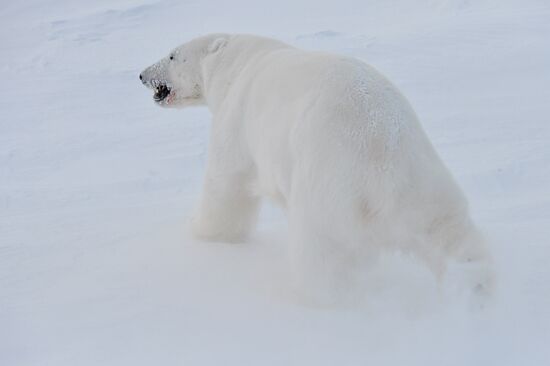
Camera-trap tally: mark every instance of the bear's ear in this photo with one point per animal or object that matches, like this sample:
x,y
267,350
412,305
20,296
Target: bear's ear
x,y
217,45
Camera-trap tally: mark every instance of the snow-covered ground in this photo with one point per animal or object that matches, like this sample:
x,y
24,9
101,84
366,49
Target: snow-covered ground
x,y
96,185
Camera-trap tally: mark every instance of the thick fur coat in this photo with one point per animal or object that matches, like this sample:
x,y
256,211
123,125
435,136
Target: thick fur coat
x,y
331,141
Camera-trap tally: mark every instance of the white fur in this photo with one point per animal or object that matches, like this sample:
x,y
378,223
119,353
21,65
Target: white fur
x,y
331,141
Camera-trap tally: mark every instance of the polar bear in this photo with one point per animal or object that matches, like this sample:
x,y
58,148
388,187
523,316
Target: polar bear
x,y
331,141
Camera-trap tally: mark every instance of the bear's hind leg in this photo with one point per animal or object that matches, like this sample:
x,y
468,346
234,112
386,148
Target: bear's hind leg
x,y
475,262
469,263
320,269
327,259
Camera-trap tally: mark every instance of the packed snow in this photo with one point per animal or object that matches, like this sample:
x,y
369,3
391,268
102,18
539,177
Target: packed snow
x,y
97,185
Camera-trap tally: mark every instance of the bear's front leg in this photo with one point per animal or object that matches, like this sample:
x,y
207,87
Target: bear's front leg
x,y
228,209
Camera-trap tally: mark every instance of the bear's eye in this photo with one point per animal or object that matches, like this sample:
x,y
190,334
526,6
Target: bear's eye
x,y
171,57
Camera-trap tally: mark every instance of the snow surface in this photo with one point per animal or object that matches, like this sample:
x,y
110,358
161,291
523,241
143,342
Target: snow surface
x,y
97,183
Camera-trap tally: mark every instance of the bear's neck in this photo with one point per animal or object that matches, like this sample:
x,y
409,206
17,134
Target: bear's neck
x,y
218,74
221,71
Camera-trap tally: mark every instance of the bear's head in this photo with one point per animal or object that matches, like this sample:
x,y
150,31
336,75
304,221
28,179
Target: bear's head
x,y
177,79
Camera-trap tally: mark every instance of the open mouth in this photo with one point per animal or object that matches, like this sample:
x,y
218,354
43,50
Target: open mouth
x,y
161,92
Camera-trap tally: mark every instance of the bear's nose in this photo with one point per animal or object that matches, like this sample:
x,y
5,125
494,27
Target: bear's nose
x,y
140,77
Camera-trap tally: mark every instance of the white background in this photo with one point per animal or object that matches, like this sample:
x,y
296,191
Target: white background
x,y
97,185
